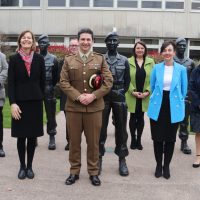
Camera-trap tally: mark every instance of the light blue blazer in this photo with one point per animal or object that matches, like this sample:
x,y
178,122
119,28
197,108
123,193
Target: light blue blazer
x,y
177,93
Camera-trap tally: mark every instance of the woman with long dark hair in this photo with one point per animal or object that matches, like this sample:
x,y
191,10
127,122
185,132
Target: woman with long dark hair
x,y
137,97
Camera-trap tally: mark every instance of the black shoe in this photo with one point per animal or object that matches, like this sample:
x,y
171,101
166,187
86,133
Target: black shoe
x,y
2,153
22,173
158,172
52,144
139,145
67,147
100,165
166,172
95,180
133,144
185,148
123,169
71,179
195,165
29,173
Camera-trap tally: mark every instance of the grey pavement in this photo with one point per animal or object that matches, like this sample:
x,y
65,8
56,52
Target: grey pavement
x,y
52,168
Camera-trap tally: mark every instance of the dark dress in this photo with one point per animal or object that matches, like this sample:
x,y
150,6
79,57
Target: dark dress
x,y
194,93
27,92
139,80
163,129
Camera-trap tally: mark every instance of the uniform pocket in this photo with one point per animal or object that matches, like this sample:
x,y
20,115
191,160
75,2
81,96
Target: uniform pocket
x,y
74,73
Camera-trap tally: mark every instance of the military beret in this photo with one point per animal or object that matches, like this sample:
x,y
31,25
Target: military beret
x,y
111,34
180,39
42,37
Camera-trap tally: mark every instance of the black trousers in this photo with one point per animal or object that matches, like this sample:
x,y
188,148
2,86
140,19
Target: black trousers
x,y
120,115
24,148
136,121
50,108
1,127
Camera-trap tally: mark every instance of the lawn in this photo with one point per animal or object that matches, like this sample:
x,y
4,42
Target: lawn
x,y
7,115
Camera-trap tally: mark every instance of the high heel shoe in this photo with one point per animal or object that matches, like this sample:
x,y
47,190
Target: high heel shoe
x,y
196,165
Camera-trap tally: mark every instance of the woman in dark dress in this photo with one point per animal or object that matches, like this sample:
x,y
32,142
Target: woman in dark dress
x,y
166,107
25,91
194,91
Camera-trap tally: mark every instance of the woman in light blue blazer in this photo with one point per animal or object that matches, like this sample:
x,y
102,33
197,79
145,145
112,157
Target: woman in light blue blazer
x,y
166,106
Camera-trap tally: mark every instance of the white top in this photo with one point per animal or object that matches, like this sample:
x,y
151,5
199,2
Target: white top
x,y
167,77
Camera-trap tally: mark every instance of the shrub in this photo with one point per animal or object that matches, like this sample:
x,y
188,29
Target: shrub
x,y
156,56
59,50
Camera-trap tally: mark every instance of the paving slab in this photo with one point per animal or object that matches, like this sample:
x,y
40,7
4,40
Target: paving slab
x,y
52,168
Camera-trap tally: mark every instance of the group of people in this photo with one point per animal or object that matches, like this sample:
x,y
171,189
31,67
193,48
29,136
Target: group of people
x,y
94,84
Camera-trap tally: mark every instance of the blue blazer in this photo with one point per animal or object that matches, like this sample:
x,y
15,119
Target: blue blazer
x,y
177,93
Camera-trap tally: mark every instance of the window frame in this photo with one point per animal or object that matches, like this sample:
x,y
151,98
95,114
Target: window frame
x,y
194,10
20,6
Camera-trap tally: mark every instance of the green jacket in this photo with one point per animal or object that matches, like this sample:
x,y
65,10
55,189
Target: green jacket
x,y
130,99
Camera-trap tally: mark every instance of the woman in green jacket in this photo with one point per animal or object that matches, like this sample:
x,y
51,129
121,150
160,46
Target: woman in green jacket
x,y
137,97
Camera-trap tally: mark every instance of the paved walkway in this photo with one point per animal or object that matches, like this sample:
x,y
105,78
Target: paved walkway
x,y
52,168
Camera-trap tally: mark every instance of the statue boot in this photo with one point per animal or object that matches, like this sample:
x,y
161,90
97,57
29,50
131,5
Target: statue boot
x,y
52,144
185,148
123,169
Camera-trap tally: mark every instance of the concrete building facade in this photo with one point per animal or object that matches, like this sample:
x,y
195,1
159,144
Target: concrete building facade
x,y
150,20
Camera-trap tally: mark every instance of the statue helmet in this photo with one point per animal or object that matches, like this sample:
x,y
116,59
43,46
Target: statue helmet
x,y
113,33
180,39
42,37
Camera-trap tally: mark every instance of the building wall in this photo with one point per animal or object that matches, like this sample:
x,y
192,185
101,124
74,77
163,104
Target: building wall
x,y
60,23
136,23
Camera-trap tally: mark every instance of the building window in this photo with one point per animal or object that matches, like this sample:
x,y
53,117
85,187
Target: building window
x,y
56,3
31,3
194,54
103,3
127,3
174,5
196,5
151,4
9,3
78,3
55,39
150,41
195,43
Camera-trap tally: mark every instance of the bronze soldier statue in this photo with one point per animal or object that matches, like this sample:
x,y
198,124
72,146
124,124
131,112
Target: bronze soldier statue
x,y
115,100
189,64
51,78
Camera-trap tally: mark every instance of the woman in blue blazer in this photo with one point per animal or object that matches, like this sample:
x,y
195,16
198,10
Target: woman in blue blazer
x,y
166,107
